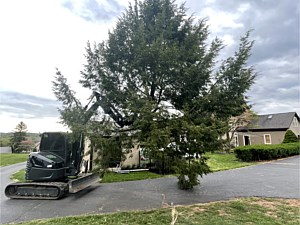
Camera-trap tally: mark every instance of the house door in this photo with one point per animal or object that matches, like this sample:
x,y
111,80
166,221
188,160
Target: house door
x,y
247,140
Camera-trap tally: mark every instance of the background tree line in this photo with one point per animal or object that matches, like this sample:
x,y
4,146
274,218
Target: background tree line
x,y
20,139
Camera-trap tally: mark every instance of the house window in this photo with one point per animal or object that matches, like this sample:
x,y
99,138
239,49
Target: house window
x,y
247,140
267,138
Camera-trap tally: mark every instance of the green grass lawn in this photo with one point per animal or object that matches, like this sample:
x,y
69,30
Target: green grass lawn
x,y
116,177
219,162
108,177
233,212
12,158
18,176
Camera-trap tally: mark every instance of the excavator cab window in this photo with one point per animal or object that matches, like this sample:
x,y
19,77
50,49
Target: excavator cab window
x,y
55,143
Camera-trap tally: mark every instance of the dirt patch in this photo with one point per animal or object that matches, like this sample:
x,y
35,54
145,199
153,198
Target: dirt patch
x,y
198,209
222,212
272,205
293,202
272,214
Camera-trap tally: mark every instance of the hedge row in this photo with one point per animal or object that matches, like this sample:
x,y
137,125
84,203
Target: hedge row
x,y
266,152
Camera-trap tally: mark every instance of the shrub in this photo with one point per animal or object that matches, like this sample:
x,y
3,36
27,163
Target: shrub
x,y
189,172
290,137
266,152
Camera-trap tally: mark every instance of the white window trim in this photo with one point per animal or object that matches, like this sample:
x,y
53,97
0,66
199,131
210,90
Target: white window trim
x,y
266,141
236,140
244,139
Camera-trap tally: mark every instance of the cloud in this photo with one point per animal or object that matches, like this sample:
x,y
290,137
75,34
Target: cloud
x,y
275,54
93,10
35,42
20,105
277,85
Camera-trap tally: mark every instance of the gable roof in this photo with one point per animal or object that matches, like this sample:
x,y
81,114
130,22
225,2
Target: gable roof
x,y
281,121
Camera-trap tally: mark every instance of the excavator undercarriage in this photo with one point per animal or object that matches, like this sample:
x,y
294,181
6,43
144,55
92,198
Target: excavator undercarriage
x,y
50,190
36,190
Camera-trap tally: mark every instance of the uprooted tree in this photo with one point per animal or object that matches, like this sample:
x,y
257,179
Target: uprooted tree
x,y
159,87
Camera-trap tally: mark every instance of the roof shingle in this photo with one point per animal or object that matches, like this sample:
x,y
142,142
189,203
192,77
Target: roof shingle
x,y
272,121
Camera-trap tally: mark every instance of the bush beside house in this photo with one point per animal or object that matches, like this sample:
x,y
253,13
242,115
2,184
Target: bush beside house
x,y
290,137
266,152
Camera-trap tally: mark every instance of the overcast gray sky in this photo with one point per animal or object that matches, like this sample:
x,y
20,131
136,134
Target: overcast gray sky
x,y
38,36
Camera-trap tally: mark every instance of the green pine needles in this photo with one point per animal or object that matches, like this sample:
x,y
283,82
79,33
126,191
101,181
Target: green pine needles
x,y
159,88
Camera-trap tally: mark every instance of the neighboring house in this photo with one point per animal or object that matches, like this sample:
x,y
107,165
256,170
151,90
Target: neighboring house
x,y
268,129
26,146
132,159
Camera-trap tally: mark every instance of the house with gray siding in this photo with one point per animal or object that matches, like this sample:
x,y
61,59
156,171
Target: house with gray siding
x,y
268,129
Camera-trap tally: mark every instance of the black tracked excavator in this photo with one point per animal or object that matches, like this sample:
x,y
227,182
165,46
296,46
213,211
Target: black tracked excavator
x,y
60,166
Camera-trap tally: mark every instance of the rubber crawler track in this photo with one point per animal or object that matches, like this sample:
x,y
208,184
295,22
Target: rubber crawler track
x,y
36,190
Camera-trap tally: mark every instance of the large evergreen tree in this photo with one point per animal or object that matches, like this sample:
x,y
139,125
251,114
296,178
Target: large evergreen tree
x,y
158,58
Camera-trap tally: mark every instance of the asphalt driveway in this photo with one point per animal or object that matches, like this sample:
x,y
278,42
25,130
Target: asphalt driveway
x,y
278,178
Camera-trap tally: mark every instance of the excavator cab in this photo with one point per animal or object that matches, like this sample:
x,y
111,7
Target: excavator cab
x,y
57,159
45,166
49,164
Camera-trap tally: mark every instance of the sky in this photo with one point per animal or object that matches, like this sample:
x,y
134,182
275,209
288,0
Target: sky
x,y
39,36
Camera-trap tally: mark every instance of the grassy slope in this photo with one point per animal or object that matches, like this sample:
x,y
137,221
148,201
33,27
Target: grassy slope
x,y
235,212
18,176
219,162
9,159
114,177
108,178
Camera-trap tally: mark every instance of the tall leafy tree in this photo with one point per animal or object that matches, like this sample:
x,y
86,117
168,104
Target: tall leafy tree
x,y
19,135
156,79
